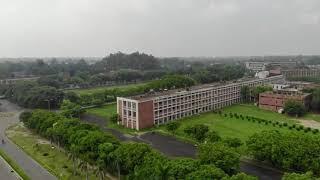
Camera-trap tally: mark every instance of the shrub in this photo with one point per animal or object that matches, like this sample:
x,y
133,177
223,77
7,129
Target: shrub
x,y
172,126
285,124
213,136
197,131
315,131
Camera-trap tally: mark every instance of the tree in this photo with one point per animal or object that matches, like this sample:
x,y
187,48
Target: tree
x,y
180,168
294,108
24,116
315,103
154,166
240,176
259,89
245,94
295,176
114,118
206,172
198,131
131,155
212,137
232,142
69,109
219,155
172,126
291,151
72,97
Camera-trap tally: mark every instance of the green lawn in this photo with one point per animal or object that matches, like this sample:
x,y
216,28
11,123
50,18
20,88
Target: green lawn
x,y
236,128
101,89
105,111
55,161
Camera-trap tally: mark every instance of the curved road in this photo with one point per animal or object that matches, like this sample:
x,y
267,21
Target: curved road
x,y
172,147
30,166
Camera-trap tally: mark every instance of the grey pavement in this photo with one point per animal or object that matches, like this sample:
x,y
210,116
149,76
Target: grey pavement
x,y
6,172
30,166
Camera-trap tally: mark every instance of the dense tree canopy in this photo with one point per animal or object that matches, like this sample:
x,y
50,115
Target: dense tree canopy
x,y
294,108
287,150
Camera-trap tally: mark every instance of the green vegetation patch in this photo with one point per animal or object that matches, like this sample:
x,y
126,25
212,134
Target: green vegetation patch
x,y
55,160
102,89
105,111
237,128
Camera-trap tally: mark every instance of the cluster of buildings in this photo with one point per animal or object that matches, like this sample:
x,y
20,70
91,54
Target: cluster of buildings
x,y
156,108
275,100
303,72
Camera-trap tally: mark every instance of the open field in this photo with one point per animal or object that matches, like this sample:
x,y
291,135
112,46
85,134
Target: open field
x,y
40,149
101,89
225,126
232,127
105,111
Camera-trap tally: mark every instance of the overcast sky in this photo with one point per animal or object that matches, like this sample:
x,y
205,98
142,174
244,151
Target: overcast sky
x,y
159,27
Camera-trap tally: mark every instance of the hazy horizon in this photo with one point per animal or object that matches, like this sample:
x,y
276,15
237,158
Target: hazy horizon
x,y
164,28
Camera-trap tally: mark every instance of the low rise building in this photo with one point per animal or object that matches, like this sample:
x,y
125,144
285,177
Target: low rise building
x,y
304,72
157,108
275,100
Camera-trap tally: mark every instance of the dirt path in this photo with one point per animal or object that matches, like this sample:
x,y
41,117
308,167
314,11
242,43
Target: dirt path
x,y
310,123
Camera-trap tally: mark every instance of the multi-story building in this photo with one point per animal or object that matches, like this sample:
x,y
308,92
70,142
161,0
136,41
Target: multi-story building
x,y
151,109
294,73
14,80
275,100
256,66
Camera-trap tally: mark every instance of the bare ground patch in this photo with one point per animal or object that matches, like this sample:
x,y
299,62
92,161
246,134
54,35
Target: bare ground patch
x,y
310,123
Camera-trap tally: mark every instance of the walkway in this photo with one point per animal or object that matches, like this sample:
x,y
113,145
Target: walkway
x,y
30,166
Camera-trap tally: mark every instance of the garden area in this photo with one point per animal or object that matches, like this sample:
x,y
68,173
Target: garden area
x,y
240,121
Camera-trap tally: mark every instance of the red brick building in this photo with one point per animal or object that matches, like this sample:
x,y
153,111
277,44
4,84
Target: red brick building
x,y
155,108
276,100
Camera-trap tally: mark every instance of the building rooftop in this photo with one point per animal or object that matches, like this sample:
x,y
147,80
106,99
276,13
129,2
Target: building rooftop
x,y
153,94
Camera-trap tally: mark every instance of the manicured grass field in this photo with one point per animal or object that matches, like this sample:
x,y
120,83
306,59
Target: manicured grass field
x,y
50,157
101,89
105,111
236,128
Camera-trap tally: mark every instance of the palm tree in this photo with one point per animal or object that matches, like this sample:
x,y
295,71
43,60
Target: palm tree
x,y
84,166
73,155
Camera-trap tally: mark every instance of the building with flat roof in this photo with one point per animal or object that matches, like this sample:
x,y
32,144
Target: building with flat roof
x,y
304,72
158,108
275,100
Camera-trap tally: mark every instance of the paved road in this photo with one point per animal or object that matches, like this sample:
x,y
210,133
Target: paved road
x,y
172,147
6,171
31,167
